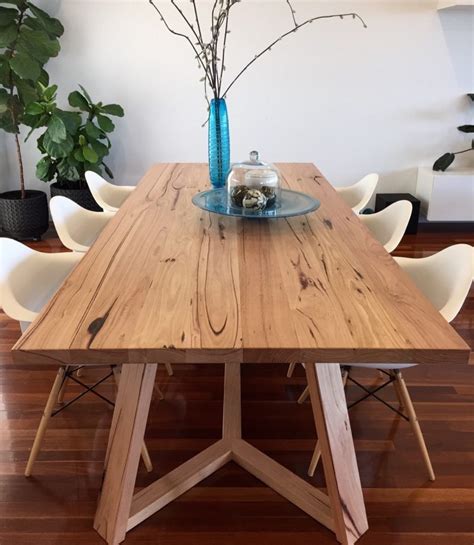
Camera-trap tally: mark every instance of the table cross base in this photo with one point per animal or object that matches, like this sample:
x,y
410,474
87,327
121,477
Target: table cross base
x,y
342,510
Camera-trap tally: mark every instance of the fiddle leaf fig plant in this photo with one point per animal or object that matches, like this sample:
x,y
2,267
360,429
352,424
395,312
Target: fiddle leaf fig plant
x,y
73,141
28,39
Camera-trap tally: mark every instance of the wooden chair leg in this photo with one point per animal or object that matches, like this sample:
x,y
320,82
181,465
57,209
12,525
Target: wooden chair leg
x,y
159,392
52,399
408,404
62,390
169,369
317,449
303,396
144,452
396,387
291,370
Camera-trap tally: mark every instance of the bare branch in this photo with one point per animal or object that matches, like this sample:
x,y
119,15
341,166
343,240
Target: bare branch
x,y
268,48
226,31
180,34
293,13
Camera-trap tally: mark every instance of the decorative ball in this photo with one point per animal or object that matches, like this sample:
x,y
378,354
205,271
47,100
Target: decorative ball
x,y
254,199
238,193
269,193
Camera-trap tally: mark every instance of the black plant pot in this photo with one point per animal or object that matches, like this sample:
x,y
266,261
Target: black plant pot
x,y
81,196
24,219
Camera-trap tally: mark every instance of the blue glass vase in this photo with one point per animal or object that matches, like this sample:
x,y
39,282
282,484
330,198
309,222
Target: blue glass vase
x,y
219,143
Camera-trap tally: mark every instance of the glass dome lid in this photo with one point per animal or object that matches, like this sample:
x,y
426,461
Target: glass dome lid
x,y
253,184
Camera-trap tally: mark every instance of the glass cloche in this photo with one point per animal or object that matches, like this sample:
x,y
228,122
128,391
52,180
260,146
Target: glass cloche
x,y
253,184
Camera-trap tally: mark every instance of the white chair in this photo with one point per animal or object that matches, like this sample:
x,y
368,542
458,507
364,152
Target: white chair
x,y
445,278
77,227
389,225
28,279
108,196
357,196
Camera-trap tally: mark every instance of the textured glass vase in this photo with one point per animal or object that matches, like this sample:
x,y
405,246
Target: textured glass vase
x,y
219,143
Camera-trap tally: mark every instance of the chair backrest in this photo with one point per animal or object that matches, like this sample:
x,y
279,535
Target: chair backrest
x,y
29,278
445,278
109,196
357,196
77,227
389,225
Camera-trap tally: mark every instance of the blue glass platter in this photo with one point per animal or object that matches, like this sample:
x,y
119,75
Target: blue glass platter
x,y
292,203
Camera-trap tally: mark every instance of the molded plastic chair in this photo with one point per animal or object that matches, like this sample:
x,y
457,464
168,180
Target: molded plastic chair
x,y
357,196
389,225
28,279
109,196
445,279
77,227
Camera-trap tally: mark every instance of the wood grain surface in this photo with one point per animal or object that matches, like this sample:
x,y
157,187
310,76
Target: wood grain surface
x,y
166,282
57,505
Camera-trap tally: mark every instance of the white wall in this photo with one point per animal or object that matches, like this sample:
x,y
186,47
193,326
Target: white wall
x,y
384,99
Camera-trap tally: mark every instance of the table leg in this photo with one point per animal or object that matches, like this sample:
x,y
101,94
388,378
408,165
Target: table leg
x,y
342,511
123,452
337,450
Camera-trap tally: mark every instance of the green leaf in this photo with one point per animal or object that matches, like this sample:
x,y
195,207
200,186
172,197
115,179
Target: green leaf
x,y
112,109
101,149
92,131
108,171
89,154
25,67
44,78
38,44
4,71
43,168
26,90
3,101
50,93
19,3
9,120
105,123
50,24
7,16
86,94
56,150
72,120
68,172
78,155
34,108
57,129
7,35
78,101
7,123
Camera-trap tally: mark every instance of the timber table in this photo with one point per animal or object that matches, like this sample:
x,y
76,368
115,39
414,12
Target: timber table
x,y
168,283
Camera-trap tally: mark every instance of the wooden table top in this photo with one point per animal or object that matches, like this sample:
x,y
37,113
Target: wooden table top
x,y
167,282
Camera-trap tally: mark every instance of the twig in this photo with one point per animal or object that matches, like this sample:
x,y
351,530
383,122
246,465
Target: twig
x,y
293,12
226,31
176,33
268,48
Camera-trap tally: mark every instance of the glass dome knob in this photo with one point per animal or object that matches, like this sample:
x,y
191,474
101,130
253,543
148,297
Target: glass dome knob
x,y
254,156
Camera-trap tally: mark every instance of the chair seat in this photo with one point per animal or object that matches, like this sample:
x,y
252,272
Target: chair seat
x,y
388,366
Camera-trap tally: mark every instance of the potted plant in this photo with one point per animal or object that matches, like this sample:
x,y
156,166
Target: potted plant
x,y
73,142
28,39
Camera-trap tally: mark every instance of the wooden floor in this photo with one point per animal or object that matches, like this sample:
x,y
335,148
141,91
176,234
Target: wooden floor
x,y
56,506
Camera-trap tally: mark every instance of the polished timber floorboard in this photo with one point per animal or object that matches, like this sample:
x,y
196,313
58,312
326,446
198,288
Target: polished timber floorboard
x,y
56,505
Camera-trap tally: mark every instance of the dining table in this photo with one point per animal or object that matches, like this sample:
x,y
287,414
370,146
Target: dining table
x,y
166,282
